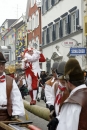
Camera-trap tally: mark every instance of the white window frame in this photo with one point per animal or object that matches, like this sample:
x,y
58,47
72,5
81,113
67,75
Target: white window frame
x,y
37,19
37,42
33,22
64,24
45,36
6,25
7,54
29,43
49,4
57,26
73,21
30,23
32,3
50,33
44,6
33,41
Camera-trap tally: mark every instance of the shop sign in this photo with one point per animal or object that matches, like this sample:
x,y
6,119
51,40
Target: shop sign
x,y
77,51
69,43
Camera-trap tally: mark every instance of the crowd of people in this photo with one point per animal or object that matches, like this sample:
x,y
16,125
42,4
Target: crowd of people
x,y
64,91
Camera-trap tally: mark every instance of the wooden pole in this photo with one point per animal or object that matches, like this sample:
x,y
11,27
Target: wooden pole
x,y
37,110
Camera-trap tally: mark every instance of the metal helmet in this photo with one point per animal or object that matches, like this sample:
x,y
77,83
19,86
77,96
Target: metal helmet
x,y
55,66
61,68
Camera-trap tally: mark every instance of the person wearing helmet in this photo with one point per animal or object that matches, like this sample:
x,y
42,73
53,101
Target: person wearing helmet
x,y
60,94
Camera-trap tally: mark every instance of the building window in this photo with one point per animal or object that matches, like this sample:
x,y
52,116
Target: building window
x,y
44,36
32,3
7,56
33,21
57,30
64,24
29,24
37,43
37,19
44,6
29,45
49,4
50,33
56,1
73,22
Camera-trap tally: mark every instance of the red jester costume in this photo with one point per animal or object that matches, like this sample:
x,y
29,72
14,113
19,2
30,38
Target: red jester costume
x,y
30,63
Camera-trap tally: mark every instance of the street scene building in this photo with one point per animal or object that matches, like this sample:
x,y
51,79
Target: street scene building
x,y
56,33
43,65
62,28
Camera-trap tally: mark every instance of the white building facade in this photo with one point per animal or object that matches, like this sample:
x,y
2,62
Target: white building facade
x,y
62,28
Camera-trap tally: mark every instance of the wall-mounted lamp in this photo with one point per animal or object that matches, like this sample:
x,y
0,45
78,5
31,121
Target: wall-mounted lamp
x,y
57,47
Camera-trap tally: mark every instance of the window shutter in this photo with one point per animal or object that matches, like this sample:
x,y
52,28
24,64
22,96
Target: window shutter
x,y
47,35
43,38
60,29
53,33
69,23
46,5
52,2
42,9
77,18
43,6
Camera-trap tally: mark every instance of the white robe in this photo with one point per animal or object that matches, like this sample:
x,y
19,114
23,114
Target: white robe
x,y
49,93
34,60
17,102
69,114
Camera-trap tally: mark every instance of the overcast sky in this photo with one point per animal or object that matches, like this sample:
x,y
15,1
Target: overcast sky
x,y
11,9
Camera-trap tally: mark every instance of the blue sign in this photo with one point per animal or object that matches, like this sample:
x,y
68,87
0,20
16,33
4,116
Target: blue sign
x,y
77,51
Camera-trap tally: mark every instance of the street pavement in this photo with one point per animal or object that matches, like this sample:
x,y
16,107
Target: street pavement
x,y
37,121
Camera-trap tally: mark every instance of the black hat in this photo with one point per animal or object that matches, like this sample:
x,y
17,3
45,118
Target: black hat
x,y
2,59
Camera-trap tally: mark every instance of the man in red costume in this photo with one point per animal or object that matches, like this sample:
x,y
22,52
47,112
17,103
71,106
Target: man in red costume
x,y
30,63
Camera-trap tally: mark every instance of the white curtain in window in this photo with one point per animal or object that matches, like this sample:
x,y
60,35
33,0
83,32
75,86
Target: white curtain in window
x,y
32,3
37,42
33,22
37,18
73,22
29,24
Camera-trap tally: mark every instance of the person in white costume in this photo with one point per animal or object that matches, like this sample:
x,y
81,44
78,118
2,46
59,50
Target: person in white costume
x,y
73,112
30,62
49,84
11,104
59,94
